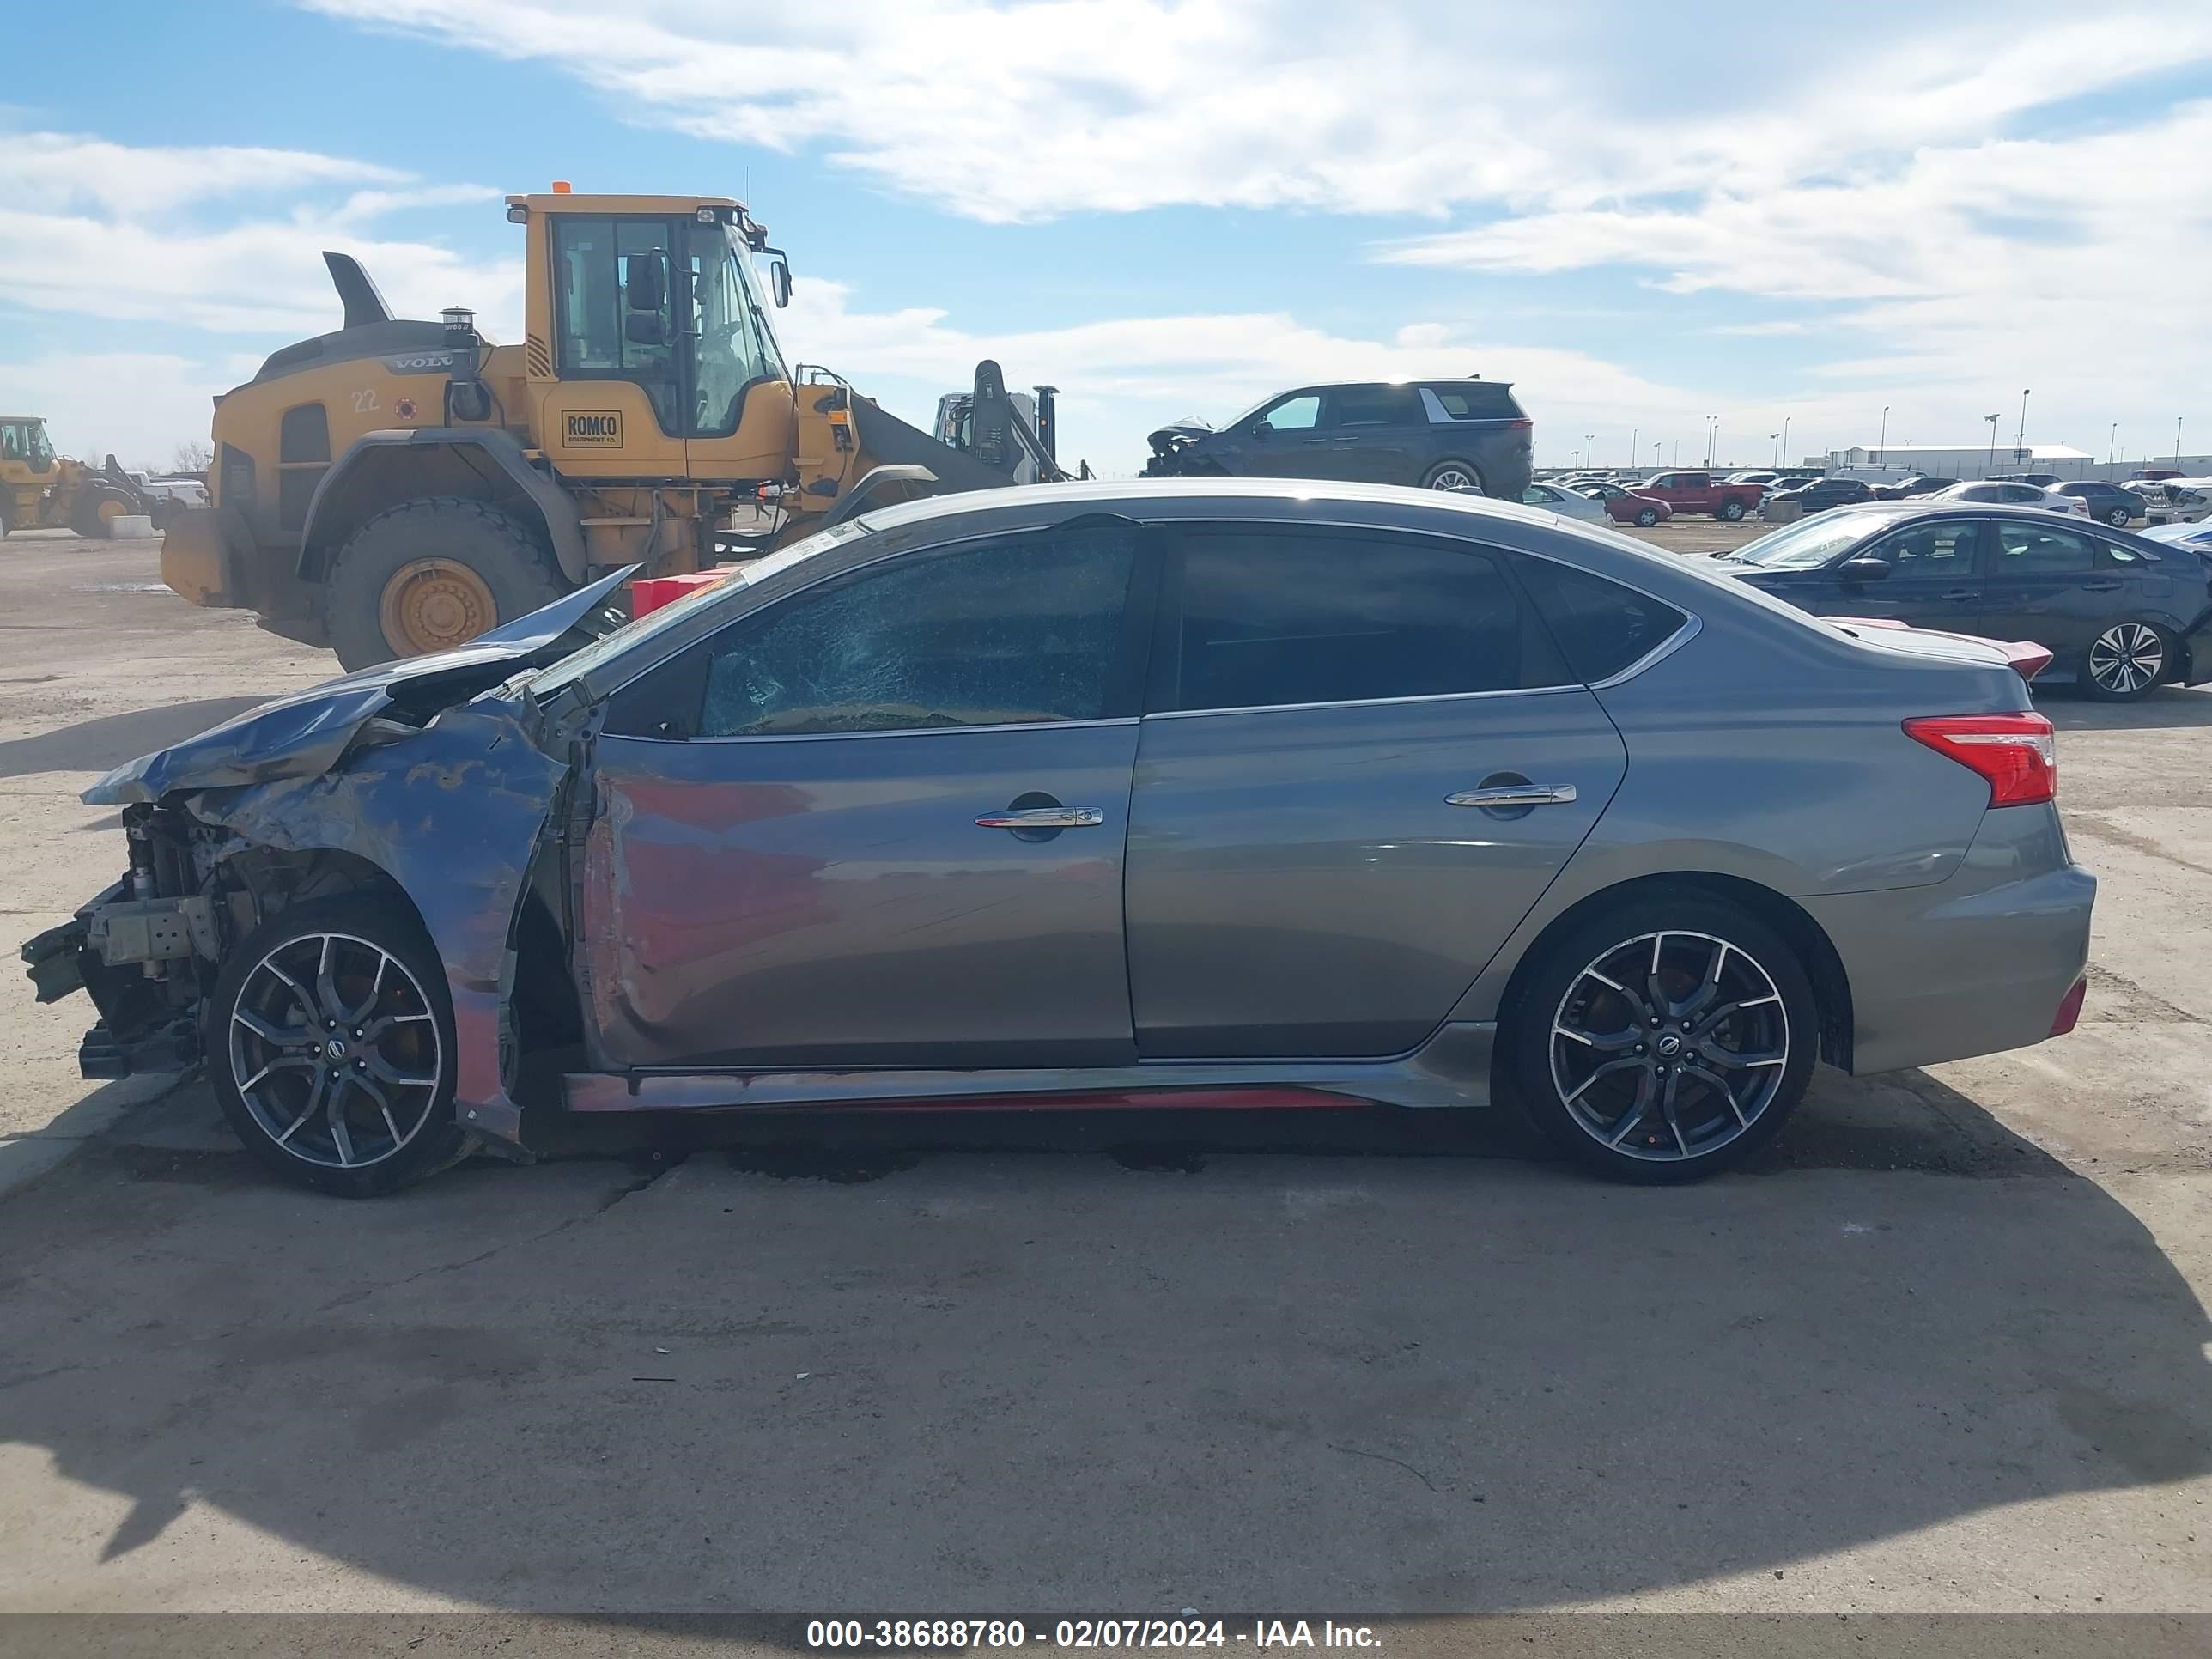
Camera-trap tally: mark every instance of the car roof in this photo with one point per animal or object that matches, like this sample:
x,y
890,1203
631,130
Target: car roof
x,y
1922,508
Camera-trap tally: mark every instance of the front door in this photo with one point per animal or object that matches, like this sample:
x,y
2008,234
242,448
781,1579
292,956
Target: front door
x,y
1935,578
618,407
1283,440
1361,765
890,833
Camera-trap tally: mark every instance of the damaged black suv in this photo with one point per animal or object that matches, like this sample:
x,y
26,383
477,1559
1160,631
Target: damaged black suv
x,y
1437,434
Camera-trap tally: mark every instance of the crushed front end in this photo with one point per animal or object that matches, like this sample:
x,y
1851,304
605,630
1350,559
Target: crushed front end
x,y
145,950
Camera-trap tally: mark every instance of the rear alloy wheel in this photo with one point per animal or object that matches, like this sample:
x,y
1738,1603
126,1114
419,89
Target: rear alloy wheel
x,y
2119,517
1730,511
333,1061
1666,1042
1453,475
1647,516
2126,662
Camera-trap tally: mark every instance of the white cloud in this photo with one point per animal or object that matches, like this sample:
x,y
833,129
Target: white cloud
x,y
138,406
1027,109
129,233
2060,264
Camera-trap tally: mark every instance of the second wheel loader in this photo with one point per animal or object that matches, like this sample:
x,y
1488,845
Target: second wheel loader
x,y
399,487
41,490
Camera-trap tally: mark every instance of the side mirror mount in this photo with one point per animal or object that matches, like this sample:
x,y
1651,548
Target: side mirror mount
x,y
1864,569
1261,430
647,287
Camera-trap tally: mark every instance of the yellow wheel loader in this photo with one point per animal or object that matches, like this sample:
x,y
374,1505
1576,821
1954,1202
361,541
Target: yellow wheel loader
x,y
399,487
41,490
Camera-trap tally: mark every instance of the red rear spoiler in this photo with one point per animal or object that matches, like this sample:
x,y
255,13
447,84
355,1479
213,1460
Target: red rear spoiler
x,y
2027,657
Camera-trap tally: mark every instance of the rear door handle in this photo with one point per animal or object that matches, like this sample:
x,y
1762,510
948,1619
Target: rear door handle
x,y
1515,794
2100,587
1960,593
1044,817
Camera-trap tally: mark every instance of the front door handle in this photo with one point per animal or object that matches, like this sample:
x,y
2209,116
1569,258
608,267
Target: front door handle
x,y
1321,440
1044,817
1515,794
1960,593
2100,587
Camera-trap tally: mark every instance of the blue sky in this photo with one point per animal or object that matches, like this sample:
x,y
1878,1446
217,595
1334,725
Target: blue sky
x,y
1171,208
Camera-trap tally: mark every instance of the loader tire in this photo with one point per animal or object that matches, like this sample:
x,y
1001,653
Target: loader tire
x,y
432,574
94,505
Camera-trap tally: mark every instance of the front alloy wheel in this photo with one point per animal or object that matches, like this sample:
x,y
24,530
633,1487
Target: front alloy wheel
x,y
2127,661
333,1061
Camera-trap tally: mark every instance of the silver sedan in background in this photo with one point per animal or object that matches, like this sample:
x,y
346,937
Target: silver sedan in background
x,y
1202,791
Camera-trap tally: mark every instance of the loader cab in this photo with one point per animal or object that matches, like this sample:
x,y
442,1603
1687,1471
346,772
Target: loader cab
x,y
23,441
650,351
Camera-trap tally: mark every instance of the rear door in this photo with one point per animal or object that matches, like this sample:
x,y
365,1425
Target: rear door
x,y
2052,584
1283,440
1314,868
1372,431
879,823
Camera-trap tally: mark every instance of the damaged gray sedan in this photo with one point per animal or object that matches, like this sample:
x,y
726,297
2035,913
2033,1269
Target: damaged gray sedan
x,y
1204,793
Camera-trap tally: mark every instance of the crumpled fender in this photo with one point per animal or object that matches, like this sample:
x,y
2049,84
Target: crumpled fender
x,y
455,814
307,732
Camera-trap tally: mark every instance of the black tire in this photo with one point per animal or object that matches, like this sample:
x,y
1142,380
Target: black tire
x,y
1647,516
1729,512
310,1153
1449,474
2118,517
1557,990
2127,661
519,572
85,516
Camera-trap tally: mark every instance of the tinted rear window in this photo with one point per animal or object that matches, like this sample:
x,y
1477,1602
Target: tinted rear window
x,y
1271,620
1475,401
1600,626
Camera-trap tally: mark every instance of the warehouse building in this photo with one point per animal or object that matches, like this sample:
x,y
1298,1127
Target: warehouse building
x,y
1984,460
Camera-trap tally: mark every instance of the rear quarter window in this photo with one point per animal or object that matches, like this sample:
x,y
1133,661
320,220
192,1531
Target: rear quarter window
x,y
1470,402
1601,627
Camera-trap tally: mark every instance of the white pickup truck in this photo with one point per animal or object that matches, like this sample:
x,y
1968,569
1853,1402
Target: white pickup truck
x,y
167,496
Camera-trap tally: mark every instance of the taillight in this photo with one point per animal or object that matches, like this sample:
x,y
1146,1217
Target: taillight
x,y
2018,754
2070,1008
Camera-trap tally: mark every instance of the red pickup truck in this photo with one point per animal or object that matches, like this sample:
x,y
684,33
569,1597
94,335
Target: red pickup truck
x,y
1701,492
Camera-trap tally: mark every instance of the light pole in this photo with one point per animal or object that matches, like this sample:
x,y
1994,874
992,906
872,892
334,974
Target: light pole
x,y
1590,447
1633,435
1881,444
1776,436
1712,436
2019,438
1678,448
1785,441
2113,455
1992,420
1655,456
1576,457
2176,443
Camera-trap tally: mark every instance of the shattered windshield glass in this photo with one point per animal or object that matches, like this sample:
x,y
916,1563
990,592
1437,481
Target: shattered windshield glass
x,y
606,649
